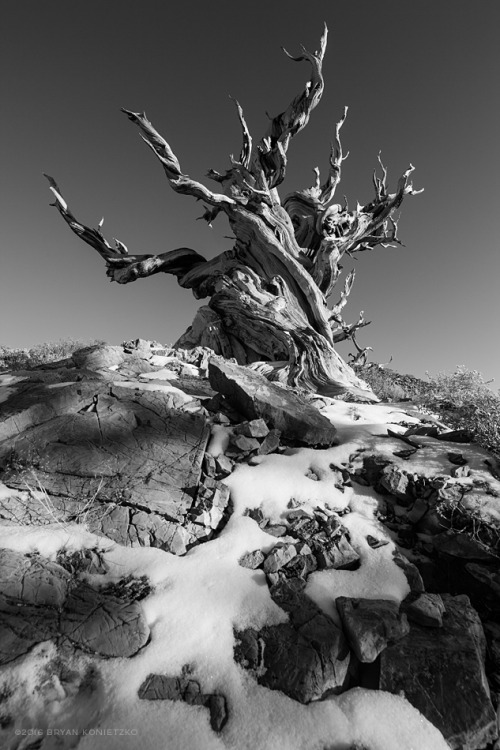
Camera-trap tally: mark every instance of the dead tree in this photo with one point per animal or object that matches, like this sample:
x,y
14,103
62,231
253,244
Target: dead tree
x,y
268,295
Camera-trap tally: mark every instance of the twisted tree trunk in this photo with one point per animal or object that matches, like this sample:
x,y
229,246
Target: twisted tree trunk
x,y
268,296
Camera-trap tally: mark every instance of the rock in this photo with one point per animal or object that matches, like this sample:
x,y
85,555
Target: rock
x,y
209,465
270,443
339,555
160,687
210,504
441,672
120,452
456,458
376,543
397,482
279,557
418,510
276,530
103,625
252,560
224,465
33,579
456,436
461,546
428,430
303,658
426,610
98,357
299,513
487,575
373,467
256,397
22,626
300,566
460,471
244,444
257,428
411,572
371,624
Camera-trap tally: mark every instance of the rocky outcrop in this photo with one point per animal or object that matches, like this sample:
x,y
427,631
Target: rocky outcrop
x,y
256,398
126,462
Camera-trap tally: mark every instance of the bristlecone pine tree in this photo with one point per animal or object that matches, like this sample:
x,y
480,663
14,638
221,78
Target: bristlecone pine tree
x,y
268,296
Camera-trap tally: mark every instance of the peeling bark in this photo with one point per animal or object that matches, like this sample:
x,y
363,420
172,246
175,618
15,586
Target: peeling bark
x,y
268,296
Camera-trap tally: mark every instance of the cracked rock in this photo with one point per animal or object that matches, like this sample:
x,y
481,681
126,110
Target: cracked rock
x,y
371,624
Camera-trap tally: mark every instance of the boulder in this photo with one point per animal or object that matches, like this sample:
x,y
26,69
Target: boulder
x,y
441,673
254,396
371,624
158,687
98,357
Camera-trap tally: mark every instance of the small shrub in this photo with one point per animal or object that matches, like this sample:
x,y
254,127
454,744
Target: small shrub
x,y
129,588
389,385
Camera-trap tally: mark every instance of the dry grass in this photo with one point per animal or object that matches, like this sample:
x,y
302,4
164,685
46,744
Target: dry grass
x,y
41,354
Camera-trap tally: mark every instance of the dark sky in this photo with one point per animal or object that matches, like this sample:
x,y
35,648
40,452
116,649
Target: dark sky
x,y
421,81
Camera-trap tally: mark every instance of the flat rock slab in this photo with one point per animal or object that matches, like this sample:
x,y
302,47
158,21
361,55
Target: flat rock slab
x,y
41,601
22,627
441,672
255,397
371,624
103,625
33,579
112,445
159,687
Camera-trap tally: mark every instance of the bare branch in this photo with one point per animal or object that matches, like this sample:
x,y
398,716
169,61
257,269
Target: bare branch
x,y
344,331
246,151
274,145
336,309
121,266
336,158
180,182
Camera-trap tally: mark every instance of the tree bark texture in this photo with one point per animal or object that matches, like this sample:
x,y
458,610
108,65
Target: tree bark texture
x,y
268,297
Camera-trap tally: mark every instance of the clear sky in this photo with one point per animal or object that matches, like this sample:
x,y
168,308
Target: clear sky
x,y
421,78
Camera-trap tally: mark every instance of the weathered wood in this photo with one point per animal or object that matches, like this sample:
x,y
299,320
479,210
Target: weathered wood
x,y
268,296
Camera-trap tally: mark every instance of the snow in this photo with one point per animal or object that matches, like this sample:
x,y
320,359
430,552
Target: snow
x,y
163,374
219,440
199,599
184,397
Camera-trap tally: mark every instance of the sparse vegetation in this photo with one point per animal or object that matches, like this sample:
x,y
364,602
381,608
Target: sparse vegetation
x,y
462,399
41,354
